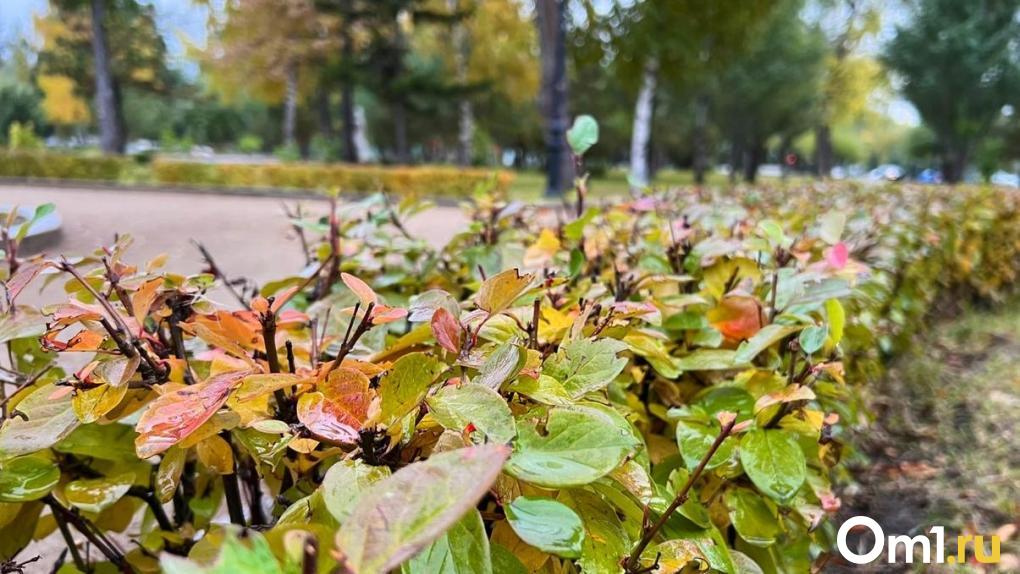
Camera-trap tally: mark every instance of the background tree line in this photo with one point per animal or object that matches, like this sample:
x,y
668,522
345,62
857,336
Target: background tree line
x,y
675,83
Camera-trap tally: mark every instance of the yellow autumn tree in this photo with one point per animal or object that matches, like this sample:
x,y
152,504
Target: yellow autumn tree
x,y
62,106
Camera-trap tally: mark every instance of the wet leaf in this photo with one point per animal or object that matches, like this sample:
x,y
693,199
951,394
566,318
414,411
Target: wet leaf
x,y
751,516
46,420
97,494
27,478
774,462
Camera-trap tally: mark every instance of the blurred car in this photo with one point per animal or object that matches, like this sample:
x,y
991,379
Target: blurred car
x,y
929,175
887,172
1005,179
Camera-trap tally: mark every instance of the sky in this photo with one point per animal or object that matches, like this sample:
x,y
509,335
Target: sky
x,y
182,22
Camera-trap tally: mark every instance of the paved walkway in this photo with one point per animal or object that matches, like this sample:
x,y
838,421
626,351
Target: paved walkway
x,y
248,236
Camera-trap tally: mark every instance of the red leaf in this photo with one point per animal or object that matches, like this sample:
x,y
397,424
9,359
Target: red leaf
x,y
172,417
337,412
838,256
447,330
26,273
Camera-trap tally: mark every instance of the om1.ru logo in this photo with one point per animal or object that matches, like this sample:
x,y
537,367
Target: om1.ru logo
x,y
910,544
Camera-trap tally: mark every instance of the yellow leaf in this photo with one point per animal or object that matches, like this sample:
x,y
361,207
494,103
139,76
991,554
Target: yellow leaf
x,y
216,455
543,250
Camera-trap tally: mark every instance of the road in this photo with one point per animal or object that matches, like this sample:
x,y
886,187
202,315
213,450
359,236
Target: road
x,y
249,236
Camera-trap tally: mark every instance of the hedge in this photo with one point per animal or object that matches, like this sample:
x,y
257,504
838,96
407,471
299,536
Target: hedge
x,y
403,180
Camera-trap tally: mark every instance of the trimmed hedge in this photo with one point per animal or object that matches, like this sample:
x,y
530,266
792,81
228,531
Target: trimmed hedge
x,y
43,165
431,180
420,181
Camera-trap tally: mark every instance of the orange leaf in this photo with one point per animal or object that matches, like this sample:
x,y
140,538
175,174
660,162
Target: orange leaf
x,y
738,317
382,314
175,415
143,298
447,330
360,288
337,412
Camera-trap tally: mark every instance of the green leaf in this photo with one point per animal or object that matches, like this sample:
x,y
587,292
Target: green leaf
x,y
502,365
812,338
570,446
583,134
46,421
455,407
774,462
505,562
837,319
464,549
344,484
751,516
400,515
547,525
763,339
830,227
695,440
253,556
606,539
27,478
404,387
709,360
27,322
584,365
98,494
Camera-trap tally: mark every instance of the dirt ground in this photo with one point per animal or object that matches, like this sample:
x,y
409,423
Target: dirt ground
x,y
944,449
248,236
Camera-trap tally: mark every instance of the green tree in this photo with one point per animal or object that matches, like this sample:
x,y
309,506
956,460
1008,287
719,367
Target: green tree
x,y
773,90
849,76
103,46
673,45
957,63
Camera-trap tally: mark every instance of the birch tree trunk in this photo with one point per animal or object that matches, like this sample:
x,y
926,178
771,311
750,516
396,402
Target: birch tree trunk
x,y
641,133
111,120
290,105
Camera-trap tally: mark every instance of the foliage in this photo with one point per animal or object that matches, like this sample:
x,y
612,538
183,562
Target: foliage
x,y
419,180
605,393
971,44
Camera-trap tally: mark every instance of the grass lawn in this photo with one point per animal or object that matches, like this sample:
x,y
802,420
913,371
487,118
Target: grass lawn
x,y
530,185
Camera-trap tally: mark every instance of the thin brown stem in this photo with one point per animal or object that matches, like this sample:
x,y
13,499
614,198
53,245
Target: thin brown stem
x,y
633,563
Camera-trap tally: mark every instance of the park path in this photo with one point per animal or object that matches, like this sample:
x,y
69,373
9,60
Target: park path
x,y
248,235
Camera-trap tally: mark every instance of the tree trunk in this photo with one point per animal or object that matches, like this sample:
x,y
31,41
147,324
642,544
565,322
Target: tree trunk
x,y
111,120
399,114
641,133
462,56
954,164
823,150
290,105
700,138
752,159
325,116
551,20
347,90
